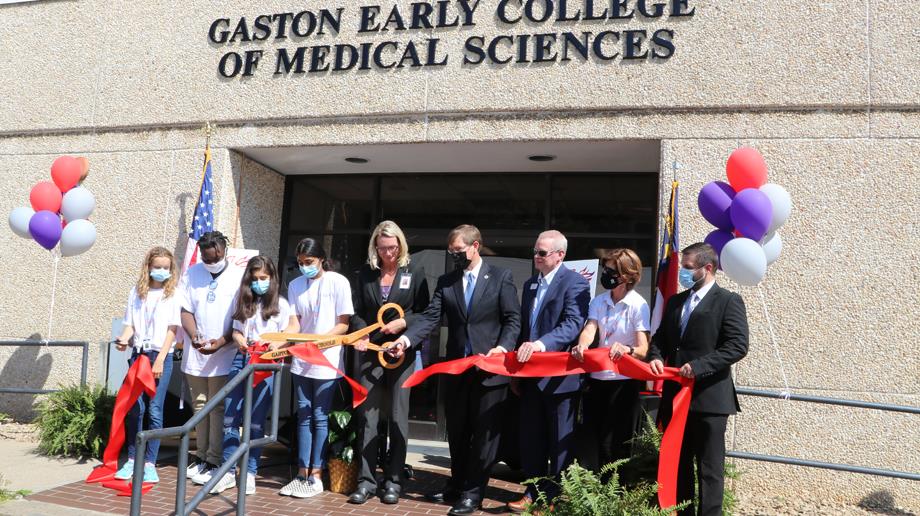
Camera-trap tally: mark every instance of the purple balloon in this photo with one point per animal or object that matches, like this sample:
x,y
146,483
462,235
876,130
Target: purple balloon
x,y
752,213
45,228
715,201
718,238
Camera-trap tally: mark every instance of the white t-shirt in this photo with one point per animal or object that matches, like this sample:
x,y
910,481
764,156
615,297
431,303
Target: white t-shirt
x,y
212,317
317,303
254,326
618,323
152,317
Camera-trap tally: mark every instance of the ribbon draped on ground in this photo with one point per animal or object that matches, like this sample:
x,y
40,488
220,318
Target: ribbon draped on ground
x,y
311,354
596,360
139,380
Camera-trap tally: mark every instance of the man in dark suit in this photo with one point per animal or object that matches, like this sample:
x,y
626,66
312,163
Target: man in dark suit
x,y
553,311
481,307
703,331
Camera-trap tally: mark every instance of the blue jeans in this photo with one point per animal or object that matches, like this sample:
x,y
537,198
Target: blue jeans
x,y
151,407
314,399
233,413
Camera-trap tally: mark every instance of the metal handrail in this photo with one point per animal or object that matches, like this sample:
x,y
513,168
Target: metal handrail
x,y
240,457
886,407
53,344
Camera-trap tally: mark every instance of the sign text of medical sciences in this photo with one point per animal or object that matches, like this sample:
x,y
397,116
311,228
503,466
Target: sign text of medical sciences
x,y
613,39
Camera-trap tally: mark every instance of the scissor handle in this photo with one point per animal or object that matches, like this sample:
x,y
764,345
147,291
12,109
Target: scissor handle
x,y
381,357
385,308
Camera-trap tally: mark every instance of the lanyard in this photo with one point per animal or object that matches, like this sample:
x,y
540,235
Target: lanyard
x,y
313,306
611,329
149,320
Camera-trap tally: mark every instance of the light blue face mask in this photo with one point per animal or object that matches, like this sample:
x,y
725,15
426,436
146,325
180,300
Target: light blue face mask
x,y
309,272
685,277
160,275
260,287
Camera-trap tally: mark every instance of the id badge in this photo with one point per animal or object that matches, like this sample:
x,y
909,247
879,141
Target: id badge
x,y
146,345
405,281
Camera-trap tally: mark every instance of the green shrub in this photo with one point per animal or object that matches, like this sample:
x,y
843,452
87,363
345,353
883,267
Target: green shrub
x,y
75,421
342,436
6,494
583,493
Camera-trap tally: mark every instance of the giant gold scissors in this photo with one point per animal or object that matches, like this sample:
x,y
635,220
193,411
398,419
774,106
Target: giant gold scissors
x,y
328,341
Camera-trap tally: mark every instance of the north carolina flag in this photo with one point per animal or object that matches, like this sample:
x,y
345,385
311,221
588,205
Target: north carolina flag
x,y
668,262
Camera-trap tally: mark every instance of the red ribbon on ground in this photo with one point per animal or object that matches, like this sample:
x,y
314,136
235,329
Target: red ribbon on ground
x,y
255,357
311,354
139,380
596,360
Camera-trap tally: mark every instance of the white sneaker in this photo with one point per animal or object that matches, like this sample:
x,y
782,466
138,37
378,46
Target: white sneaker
x,y
250,483
195,469
226,482
299,483
203,477
315,487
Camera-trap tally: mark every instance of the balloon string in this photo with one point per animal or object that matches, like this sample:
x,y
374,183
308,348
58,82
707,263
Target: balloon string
x,y
782,369
55,259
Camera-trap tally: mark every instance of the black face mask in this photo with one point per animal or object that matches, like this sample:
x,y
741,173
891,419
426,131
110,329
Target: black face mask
x,y
460,260
610,279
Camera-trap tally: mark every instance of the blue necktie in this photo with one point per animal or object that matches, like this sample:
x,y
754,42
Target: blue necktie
x,y
688,309
537,301
468,295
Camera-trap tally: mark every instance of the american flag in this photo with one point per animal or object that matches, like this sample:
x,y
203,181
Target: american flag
x,y
203,220
204,210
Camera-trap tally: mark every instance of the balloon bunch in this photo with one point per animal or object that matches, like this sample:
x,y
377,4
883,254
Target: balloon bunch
x,y
746,211
52,200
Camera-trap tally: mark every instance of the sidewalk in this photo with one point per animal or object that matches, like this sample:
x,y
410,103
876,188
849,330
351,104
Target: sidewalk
x,y
58,488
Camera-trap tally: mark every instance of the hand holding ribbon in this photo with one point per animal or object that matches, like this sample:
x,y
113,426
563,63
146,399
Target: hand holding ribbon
x,y
595,360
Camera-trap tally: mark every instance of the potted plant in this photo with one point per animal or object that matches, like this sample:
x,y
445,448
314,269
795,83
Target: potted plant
x,y
343,469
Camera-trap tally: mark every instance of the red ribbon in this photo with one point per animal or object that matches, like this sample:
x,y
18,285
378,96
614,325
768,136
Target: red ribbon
x,y
255,357
596,360
311,354
139,380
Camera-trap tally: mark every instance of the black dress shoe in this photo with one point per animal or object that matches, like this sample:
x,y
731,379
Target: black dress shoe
x,y
445,495
359,496
390,496
463,507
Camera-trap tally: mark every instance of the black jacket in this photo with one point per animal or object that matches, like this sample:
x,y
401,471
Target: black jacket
x,y
715,338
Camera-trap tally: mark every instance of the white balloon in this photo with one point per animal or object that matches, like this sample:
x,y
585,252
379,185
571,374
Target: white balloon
x,y
77,237
782,205
744,261
772,246
19,221
78,203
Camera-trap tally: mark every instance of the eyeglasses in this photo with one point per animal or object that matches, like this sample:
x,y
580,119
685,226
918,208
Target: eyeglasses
x,y
543,254
388,249
212,295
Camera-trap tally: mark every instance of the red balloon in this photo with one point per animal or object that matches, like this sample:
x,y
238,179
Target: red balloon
x,y
746,168
66,171
45,196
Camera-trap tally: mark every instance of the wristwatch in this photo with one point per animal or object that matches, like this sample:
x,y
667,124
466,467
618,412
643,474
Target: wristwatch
x,y
632,351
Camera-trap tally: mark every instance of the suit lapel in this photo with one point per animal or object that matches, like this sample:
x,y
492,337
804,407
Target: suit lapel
x,y
701,307
481,284
375,288
458,292
551,291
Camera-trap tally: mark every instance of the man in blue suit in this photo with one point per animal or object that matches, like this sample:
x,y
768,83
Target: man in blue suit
x,y
553,311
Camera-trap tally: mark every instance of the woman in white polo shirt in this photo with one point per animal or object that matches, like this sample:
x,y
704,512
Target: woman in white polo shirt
x,y
150,323
209,289
620,319
321,299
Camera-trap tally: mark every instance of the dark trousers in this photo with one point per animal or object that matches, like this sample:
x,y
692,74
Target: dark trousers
x,y
547,435
611,410
703,447
474,421
386,401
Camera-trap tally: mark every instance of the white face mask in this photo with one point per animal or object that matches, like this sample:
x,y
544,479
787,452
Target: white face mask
x,y
216,267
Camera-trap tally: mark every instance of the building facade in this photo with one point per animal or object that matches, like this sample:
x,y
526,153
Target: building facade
x,y
515,115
